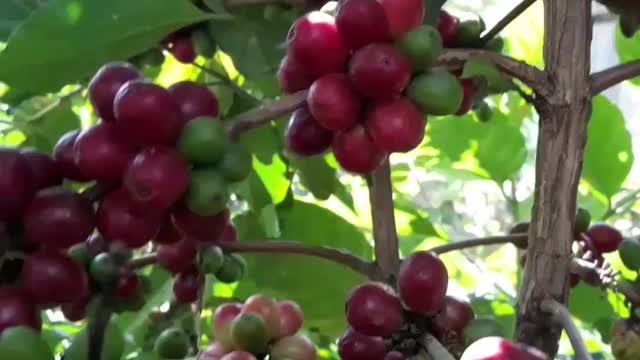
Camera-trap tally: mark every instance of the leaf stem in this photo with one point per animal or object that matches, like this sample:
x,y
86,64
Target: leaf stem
x,y
504,22
560,315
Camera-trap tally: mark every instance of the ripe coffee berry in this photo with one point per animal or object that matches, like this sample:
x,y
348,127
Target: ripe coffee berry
x,y
305,136
356,152
177,257
362,22
448,28
198,227
16,184
317,45
374,310
454,316
183,50
45,170
194,100
186,287
64,156
355,346
16,309
379,71
292,76
604,238
469,90
423,273
403,15
102,153
334,103
395,126
106,83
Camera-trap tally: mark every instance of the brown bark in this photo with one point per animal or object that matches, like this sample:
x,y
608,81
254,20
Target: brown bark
x,y
563,123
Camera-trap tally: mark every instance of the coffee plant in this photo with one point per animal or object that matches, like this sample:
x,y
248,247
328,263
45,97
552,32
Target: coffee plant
x,y
290,180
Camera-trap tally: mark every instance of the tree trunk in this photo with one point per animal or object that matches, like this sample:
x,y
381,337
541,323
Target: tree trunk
x,y
563,122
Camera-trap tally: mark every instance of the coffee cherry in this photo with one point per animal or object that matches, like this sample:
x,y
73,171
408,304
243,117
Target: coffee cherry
x,y
58,218
496,44
356,152
266,308
147,114
468,33
394,355
249,332
305,136
294,348
177,257
379,71
421,46
501,349
102,153
362,22
403,15
316,43
200,228
173,343
469,90
168,234
423,273
64,157
374,310
120,219
222,318
106,83
210,260
232,270
52,278
454,316
236,163
604,238
183,50
208,192
448,29
128,287
436,92
104,269
333,102
395,126
156,178
187,286
583,220
45,171
202,141
16,309
292,76
291,319
239,355
76,311
214,351
355,346
194,100
629,252
17,185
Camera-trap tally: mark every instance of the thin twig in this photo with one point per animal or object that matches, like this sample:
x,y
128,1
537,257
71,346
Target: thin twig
x,y
384,224
504,22
605,79
626,200
560,315
268,112
519,239
342,257
436,350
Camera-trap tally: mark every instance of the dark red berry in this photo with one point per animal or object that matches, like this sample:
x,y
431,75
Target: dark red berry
x,y
201,228
64,157
305,136
120,219
157,178
127,287
229,236
316,43
58,218
379,71
102,152
16,184
183,50
52,278
16,309
469,90
355,346
75,311
374,310
423,273
106,83
448,28
395,126
177,257
394,355
186,287
147,114
96,244
334,103
45,170
574,280
168,233
604,238
403,15
454,316
356,152
292,75
362,22
194,100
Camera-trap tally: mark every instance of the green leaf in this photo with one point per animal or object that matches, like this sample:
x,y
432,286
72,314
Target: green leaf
x,y
319,286
608,155
432,11
67,40
485,72
628,50
12,14
316,175
589,304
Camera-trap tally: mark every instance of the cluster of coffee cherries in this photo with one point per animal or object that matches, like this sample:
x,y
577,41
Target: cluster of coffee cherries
x,y
162,166
256,328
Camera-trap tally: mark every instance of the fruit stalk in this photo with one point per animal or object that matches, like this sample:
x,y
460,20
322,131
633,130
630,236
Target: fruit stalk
x,y
384,225
605,79
560,315
505,21
564,115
